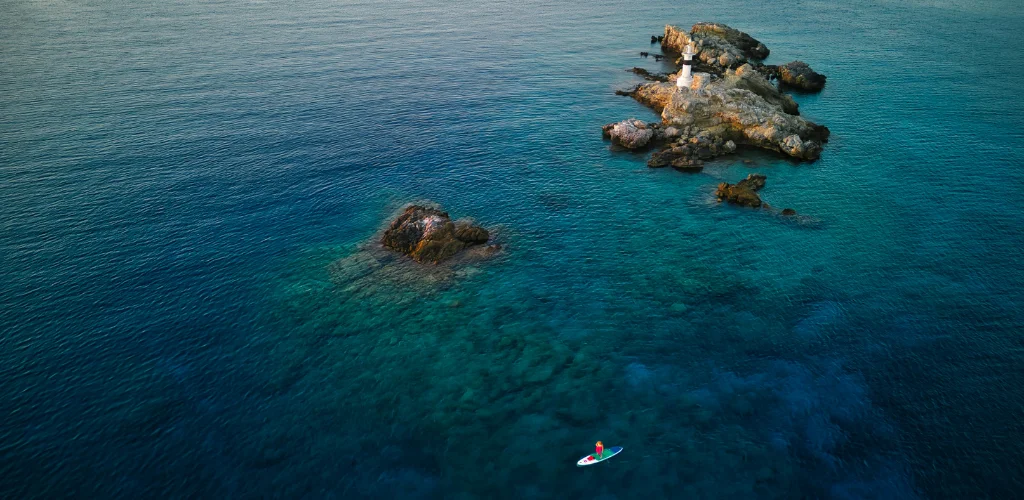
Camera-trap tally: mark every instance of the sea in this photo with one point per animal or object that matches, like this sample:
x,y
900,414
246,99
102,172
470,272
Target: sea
x,y
193,304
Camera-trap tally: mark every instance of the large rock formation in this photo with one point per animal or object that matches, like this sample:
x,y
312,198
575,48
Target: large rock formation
x,y
429,235
744,192
746,43
714,111
731,104
720,48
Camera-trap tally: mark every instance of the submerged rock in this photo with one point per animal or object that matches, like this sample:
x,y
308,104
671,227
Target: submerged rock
x,y
799,75
744,192
429,235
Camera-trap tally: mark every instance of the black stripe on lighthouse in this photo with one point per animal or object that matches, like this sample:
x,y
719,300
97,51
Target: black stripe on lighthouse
x,y
687,62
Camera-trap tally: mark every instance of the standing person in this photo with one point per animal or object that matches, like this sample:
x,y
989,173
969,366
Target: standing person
x,y
599,450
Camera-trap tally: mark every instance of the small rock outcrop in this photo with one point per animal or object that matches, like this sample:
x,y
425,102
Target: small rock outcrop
x,y
631,134
744,192
799,75
689,155
428,234
647,75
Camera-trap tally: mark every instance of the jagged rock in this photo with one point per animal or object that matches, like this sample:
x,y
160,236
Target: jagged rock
x,y
788,211
657,97
724,112
746,43
743,193
731,104
720,48
753,182
799,75
748,78
688,164
647,75
472,235
661,158
717,46
632,134
428,234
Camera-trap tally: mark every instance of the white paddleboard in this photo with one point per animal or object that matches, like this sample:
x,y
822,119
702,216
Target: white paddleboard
x,y
592,459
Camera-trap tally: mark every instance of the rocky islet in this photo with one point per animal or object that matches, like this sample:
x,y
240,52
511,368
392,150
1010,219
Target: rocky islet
x,y
734,100
428,234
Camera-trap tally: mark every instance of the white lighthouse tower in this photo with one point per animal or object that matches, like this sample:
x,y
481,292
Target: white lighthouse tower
x,y
684,80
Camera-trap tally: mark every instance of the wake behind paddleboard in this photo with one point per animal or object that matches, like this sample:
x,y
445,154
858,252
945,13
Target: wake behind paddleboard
x,y
592,458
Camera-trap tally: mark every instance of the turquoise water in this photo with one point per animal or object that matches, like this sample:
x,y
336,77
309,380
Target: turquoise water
x,y
187,311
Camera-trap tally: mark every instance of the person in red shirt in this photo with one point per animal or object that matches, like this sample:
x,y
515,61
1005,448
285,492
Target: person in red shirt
x,y
598,450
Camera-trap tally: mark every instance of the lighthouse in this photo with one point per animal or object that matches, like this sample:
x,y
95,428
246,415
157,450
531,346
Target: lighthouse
x,y
685,79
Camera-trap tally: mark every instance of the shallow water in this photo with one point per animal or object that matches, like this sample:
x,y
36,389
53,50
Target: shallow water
x,y
188,309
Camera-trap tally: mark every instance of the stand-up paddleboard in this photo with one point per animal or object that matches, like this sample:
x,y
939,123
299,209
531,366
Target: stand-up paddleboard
x,y
592,459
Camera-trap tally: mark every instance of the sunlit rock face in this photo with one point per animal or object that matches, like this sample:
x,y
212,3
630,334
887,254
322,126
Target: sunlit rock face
x,y
799,75
714,111
632,134
428,234
743,193
732,101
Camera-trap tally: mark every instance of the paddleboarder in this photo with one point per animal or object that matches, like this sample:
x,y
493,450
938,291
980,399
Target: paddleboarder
x,y
599,455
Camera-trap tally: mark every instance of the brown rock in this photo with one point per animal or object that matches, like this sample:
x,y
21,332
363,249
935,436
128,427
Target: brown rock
x,y
428,234
799,75
725,113
746,43
743,193
471,234
788,211
662,158
647,75
689,165
753,182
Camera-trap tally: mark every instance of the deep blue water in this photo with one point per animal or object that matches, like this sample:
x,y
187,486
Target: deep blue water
x,y
186,309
